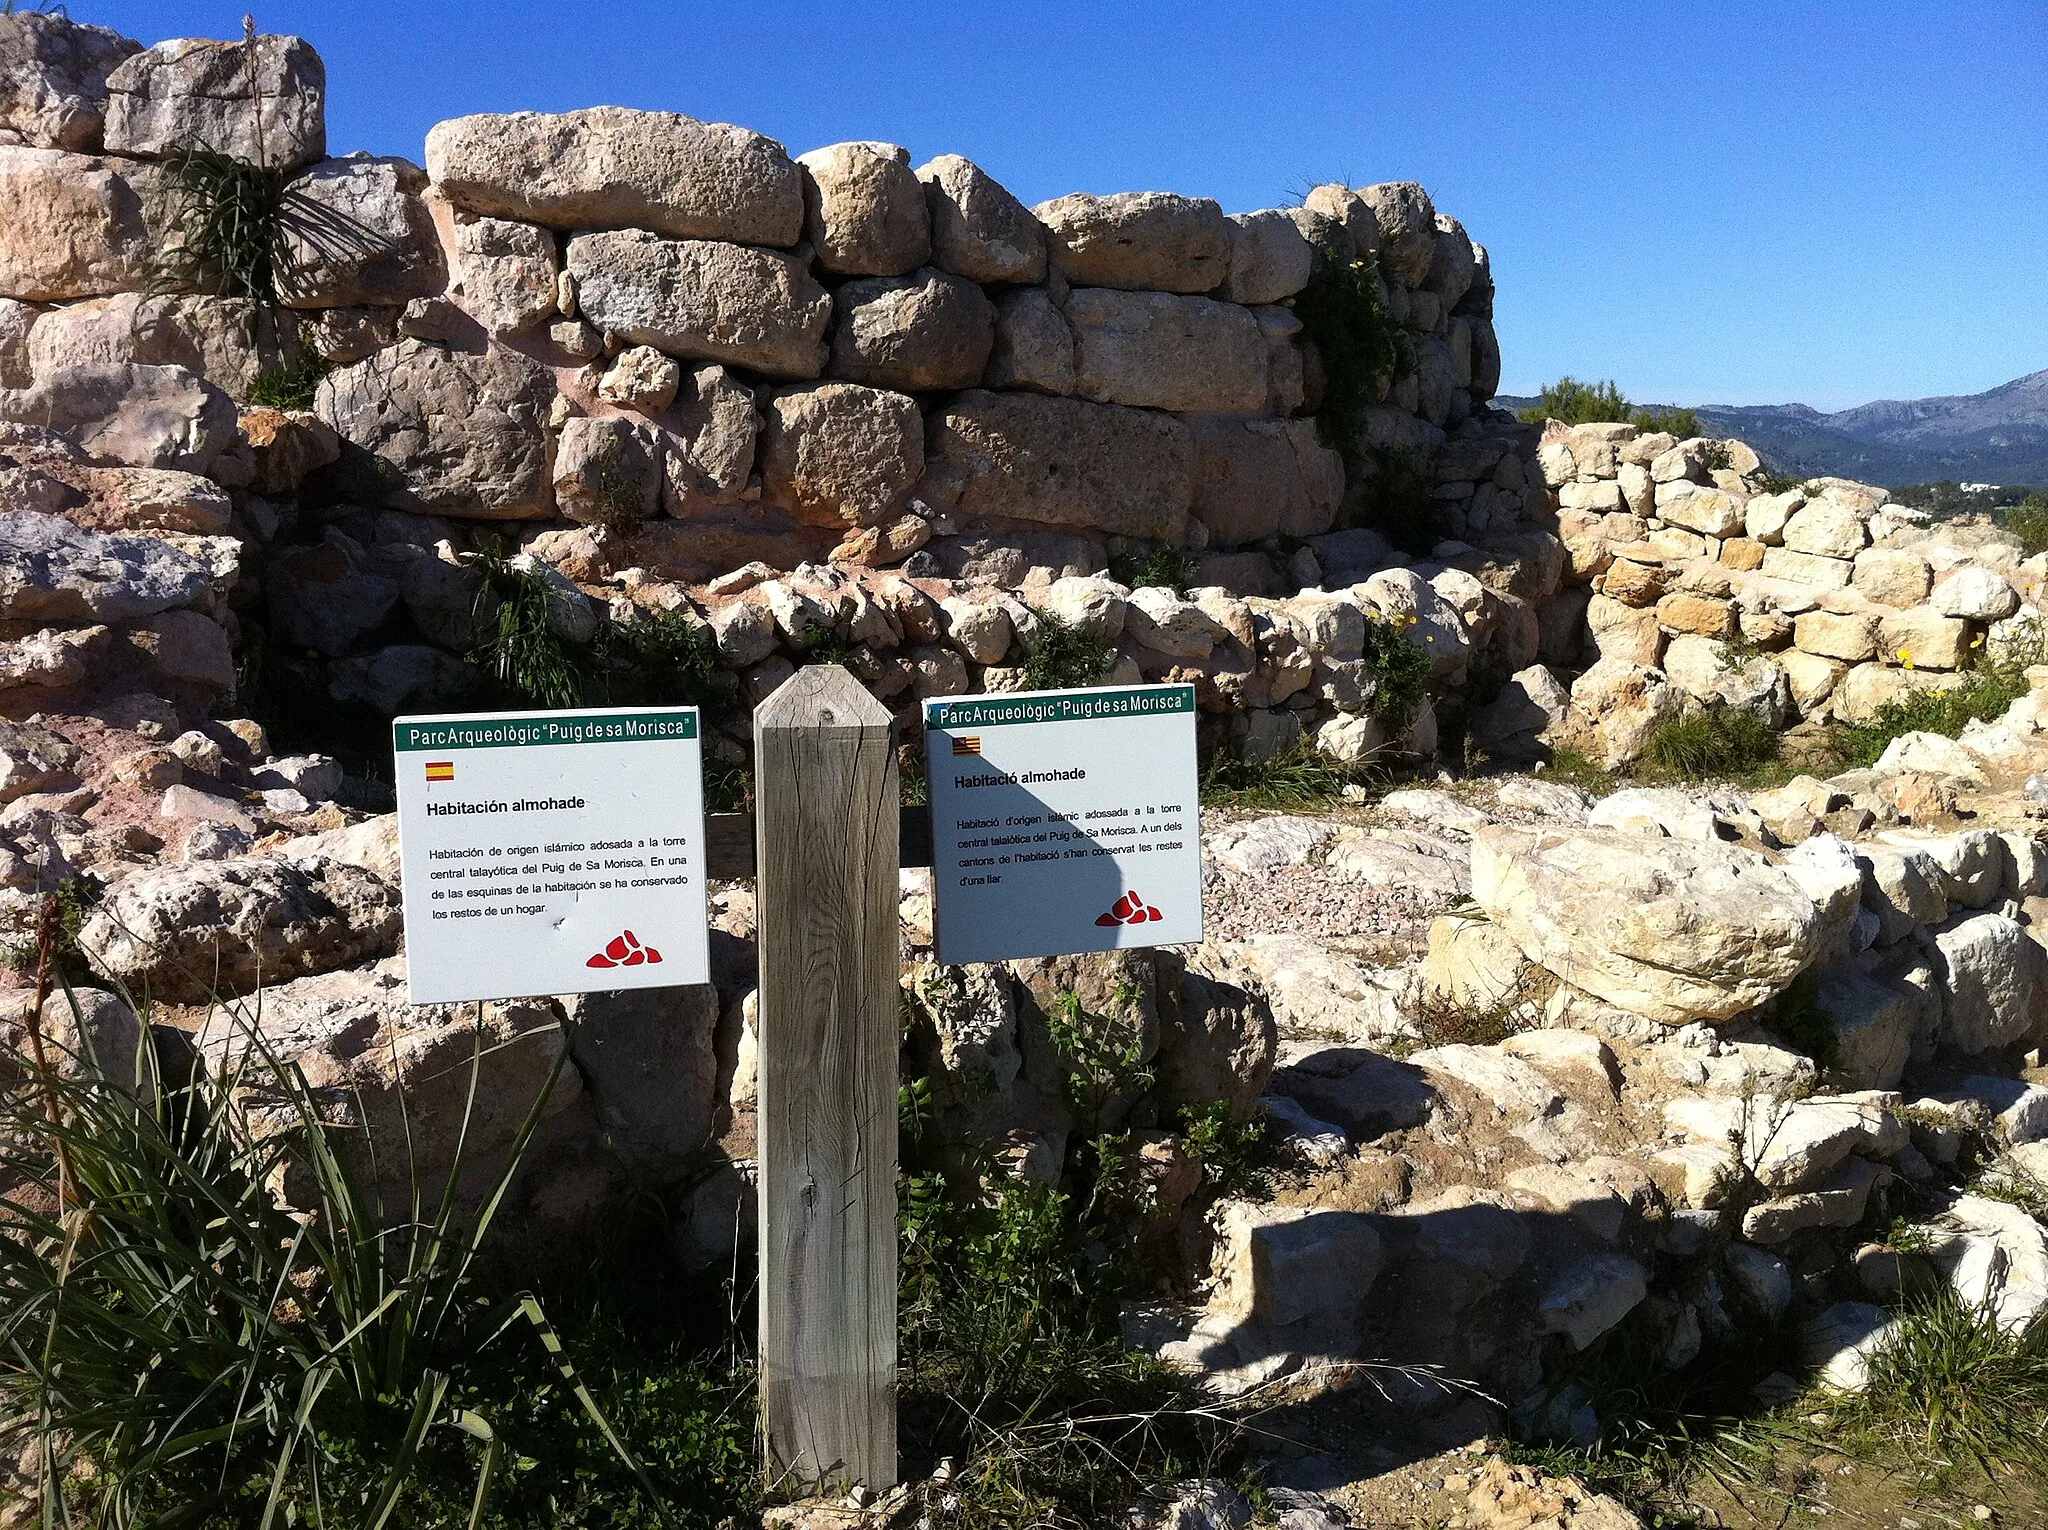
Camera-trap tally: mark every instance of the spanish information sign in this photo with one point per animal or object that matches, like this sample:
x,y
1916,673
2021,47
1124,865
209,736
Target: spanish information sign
x,y
1064,821
551,852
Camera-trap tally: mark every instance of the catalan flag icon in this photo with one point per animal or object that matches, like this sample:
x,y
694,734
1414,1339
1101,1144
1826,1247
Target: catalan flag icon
x,y
440,770
969,745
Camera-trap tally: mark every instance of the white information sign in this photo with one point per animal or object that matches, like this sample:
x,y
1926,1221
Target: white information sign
x,y
551,852
1064,821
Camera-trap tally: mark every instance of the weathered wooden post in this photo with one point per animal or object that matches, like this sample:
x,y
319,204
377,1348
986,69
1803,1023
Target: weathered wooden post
x,y
826,853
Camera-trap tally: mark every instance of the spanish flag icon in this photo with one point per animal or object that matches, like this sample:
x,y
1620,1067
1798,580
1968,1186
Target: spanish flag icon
x,y
440,770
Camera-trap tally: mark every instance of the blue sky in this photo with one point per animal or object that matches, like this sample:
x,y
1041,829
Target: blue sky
x,y
1730,203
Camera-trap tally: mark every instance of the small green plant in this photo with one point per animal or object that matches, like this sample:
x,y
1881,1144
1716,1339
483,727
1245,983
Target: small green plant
x,y
1342,312
1398,497
1713,743
1060,657
72,900
1986,689
1299,775
1442,1020
1104,1055
664,659
1236,1157
1768,482
1951,1383
1160,566
1578,403
232,217
1715,456
1400,671
519,646
289,387
1806,1025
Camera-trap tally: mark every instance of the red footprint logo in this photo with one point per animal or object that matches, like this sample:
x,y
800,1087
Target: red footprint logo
x,y
624,951
1130,909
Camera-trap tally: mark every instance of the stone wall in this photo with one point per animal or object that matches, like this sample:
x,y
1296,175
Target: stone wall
x,y
670,360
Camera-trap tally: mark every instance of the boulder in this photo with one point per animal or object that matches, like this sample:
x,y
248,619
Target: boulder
x,y
838,454
1161,351
1590,1296
188,648
53,79
701,300
227,341
1670,929
444,432
1338,220
608,471
1891,576
76,226
1407,228
1840,1342
609,167
265,102
1826,529
1923,638
1034,345
505,273
53,570
359,233
1617,705
131,416
1064,462
1137,241
405,677
192,932
978,229
1903,888
924,331
1991,976
648,1060
1301,1271
17,322
1258,478
1974,593
1269,260
864,209
1216,1045
641,379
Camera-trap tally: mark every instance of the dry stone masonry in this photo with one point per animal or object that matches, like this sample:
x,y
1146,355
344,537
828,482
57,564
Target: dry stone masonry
x,y
840,401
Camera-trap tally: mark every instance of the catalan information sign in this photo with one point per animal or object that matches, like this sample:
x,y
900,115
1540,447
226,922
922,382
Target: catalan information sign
x,y
551,852
1064,821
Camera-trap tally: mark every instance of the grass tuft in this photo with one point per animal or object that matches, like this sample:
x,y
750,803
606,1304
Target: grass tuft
x,y
1951,1383
1714,743
1159,566
289,388
1297,776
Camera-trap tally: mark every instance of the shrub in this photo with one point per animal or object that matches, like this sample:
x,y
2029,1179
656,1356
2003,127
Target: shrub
x,y
1578,403
1986,690
232,217
2028,520
1359,344
1296,776
1768,482
1400,673
289,387
1160,566
1682,423
1719,741
206,1350
1061,657
519,646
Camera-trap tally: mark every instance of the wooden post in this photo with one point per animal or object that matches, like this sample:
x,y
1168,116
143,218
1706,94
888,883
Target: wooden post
x,y
826,852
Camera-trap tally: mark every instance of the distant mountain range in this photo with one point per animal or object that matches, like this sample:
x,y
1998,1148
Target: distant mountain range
x,y
2000,436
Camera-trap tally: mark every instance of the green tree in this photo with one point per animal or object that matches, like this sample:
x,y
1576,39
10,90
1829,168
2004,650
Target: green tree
x,y
1578,403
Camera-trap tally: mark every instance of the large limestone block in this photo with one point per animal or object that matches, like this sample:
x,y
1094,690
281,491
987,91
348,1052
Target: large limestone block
x,y
925,331
1812,569
1923,638
1161,351
609,167
1065,462
1269,260
647,1057
979,230
505,273
52,570
445,432
1407,227
1861,693
1455,266
1892,576
1670,929
839,454
1874,1022
195,93
1618,706
709,431
1337,204
53,79
1827,530
864,209
227,341
1034,346
1712,512
1137,240
1977,593
1849,635
1256,478
1902,886
192,931
703,301
1991,979
75,226
360,234
131,416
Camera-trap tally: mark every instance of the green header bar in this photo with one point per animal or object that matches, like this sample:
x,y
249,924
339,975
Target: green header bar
x,y
534,732
1067,706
